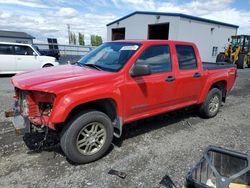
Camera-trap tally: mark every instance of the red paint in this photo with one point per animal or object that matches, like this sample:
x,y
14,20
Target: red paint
x,y
135,98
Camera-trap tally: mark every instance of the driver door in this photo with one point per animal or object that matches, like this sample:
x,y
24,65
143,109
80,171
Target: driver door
x,y
150,93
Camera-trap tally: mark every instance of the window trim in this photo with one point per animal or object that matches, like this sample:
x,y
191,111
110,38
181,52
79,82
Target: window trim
x,y
171,62
197,66
214,51
12,49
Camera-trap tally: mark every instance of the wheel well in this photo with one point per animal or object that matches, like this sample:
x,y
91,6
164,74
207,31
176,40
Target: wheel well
x,y
221,85
47,64
107,106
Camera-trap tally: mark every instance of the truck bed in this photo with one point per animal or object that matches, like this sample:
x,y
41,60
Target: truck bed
x,y
218,65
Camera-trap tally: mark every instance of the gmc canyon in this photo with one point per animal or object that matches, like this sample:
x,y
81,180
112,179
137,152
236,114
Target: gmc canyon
x,y
88,103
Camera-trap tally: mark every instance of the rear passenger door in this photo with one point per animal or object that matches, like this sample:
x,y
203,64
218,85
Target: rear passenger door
x,y
189,76
7,59
151,92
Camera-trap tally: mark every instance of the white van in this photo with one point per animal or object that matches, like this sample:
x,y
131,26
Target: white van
x,y
17,57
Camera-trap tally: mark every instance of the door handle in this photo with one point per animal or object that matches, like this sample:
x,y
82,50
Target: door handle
x,y
170,79
197,75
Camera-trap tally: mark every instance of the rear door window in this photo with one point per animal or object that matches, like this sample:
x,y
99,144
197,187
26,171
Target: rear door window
x,y
6,49
157,57
23,50
186,57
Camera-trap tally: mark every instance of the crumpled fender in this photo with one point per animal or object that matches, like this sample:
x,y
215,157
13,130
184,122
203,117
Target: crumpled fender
x,y
64,104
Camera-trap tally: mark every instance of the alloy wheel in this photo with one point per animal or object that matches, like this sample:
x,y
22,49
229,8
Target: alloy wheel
x,y
213,105
91,138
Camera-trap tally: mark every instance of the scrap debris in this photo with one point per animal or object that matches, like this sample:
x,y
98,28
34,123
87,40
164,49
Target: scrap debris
x,y
167,182
117,173
186,122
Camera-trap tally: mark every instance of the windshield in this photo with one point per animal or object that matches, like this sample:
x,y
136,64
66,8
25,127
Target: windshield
x,y
36,49
238,40
111,56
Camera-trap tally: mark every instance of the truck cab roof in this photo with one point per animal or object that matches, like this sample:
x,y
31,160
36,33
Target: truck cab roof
x,y
156,41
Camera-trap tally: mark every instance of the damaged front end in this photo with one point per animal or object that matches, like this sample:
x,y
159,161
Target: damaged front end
x,y
31,111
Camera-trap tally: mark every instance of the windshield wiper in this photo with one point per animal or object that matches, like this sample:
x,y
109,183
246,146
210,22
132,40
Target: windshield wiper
x,y
94,66
78,63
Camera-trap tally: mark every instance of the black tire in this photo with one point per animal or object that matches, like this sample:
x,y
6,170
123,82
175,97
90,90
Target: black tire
x,y
229,61
72,130
204,109
220,57
48,65
241,61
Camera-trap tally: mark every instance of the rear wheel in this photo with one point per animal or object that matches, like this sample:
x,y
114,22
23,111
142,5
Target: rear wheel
x,y
242,61
212,104
220,57
87,136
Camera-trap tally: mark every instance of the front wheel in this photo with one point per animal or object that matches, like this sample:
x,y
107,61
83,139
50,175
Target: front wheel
x,y
87,137
212,104
242,61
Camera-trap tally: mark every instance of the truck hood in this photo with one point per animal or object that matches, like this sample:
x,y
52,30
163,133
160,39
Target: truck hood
x,y
58,79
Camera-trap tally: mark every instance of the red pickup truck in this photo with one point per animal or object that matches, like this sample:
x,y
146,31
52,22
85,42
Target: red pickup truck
x,y
119,82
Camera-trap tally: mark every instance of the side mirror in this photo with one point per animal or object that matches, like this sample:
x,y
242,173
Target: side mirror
x,y
34,54
140,70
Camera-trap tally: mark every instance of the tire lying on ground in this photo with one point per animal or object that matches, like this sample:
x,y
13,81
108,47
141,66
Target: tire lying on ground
x,y
212,104
242,61
87,136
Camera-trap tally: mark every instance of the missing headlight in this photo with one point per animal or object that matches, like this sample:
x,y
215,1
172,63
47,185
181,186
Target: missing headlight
x,y
25,107
23,103
45,108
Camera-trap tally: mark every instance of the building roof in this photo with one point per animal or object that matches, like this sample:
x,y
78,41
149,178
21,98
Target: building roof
x,y
15,34
177,15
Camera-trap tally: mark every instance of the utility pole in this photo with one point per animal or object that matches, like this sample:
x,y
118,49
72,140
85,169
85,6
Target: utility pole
x,y
69,33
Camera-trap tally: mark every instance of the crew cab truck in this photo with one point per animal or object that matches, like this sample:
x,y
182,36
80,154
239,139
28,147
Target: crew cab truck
x,y
119,82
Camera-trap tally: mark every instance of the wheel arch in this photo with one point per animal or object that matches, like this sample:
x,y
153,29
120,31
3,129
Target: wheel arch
x,y
47,64
106,105
221,85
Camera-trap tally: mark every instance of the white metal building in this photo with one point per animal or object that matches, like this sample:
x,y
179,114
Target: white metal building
x,y
210,36
17,37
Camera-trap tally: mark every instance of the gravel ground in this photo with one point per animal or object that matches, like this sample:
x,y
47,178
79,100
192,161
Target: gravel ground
x,y
149,149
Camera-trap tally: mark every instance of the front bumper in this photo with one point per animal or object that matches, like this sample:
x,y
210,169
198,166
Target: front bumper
x,y
20,123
